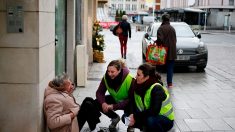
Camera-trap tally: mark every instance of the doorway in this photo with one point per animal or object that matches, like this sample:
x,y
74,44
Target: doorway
x,y
60,36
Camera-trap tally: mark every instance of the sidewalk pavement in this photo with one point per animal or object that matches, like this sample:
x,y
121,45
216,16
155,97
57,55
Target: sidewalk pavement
x,y
201,101
217,31
97,70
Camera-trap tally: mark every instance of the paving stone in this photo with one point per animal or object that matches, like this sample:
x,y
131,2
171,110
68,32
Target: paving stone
x,y
182,125
217,124
197,125
230,122
197,113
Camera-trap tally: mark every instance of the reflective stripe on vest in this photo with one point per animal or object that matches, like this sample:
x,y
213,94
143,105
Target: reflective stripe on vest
x,y
122,93
166,108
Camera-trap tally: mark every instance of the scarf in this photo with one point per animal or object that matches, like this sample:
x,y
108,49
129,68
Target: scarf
x,y
116,82
141,89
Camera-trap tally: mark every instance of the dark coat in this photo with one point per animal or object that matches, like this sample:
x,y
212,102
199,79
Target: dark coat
x,y
126,28
157,97
166,35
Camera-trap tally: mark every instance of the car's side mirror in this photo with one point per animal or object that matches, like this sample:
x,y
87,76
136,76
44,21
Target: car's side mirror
x,y
198,34
146,36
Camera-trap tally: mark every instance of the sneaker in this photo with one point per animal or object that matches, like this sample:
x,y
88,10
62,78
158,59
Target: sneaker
x,y
130,129
112,126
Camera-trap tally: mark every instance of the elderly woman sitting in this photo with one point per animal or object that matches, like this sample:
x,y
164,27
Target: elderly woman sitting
x,y
62,112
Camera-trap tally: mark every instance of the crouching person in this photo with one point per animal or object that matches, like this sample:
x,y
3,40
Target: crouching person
x,y
152,109
62,112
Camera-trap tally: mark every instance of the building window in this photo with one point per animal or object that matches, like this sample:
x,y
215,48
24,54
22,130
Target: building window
x,y
127,0
142,6
113,6
120,6
231,2
134,0
134,7
128,7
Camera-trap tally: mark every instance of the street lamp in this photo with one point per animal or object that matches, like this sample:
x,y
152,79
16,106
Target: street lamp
x,y
229,22
205,20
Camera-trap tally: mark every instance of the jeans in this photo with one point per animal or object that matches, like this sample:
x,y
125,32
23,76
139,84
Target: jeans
x,y
157,123
111,114
88,112
170,70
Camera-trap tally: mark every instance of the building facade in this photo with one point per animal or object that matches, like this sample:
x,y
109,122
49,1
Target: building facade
x,y
38,40
174,4
220,13
130,6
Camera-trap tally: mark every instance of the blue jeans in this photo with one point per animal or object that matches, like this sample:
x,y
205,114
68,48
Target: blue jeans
x,y
156,123
170,70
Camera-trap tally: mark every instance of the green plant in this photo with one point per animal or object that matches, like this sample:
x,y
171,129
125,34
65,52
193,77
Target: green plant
x,y
97,38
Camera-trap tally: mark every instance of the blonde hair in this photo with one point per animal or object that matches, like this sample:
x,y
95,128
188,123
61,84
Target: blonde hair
x,y
119,64
124,17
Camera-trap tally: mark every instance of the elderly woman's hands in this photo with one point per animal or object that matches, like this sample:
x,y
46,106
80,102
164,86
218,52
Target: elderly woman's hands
x,y
106,107
72,115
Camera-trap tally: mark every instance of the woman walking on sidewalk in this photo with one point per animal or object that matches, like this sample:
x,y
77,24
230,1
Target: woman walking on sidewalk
x,y
117,81
123,37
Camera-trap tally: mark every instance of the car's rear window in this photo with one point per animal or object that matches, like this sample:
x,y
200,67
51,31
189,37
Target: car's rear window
x,y
181,31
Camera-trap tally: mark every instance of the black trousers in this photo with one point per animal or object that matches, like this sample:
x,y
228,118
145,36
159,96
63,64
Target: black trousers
x,y
110,100
88,112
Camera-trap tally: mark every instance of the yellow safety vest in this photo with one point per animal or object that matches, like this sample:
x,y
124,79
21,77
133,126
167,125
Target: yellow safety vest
x,y
166,108
122,93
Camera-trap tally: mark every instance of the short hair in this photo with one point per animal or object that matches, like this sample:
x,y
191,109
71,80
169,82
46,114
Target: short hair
x,y
166,17
124,17
59,80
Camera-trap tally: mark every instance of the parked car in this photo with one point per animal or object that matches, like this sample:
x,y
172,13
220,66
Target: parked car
x,y
191,51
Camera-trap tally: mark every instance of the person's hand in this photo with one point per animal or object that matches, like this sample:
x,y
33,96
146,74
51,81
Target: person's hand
x,y
105,107
132,120
110,107
72,115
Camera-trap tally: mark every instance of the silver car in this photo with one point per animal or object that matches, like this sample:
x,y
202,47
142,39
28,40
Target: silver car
x,y
191,51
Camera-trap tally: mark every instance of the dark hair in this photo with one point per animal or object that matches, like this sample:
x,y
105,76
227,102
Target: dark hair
x,y
165,17
149,70
119,64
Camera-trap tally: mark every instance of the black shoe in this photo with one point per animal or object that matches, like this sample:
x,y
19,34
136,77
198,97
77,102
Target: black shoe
x,y
112,126
130,129
124,56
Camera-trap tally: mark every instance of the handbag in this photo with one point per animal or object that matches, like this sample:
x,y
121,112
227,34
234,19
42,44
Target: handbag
x,y
117,30
156,54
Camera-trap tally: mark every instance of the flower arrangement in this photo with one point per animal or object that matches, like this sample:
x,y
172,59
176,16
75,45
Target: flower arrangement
x,y
98,44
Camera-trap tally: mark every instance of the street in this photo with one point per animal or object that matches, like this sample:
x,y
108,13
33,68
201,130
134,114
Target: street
x,y
203,101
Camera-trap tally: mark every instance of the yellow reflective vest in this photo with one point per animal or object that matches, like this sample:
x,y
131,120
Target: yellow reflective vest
x,y
166,108
122,93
